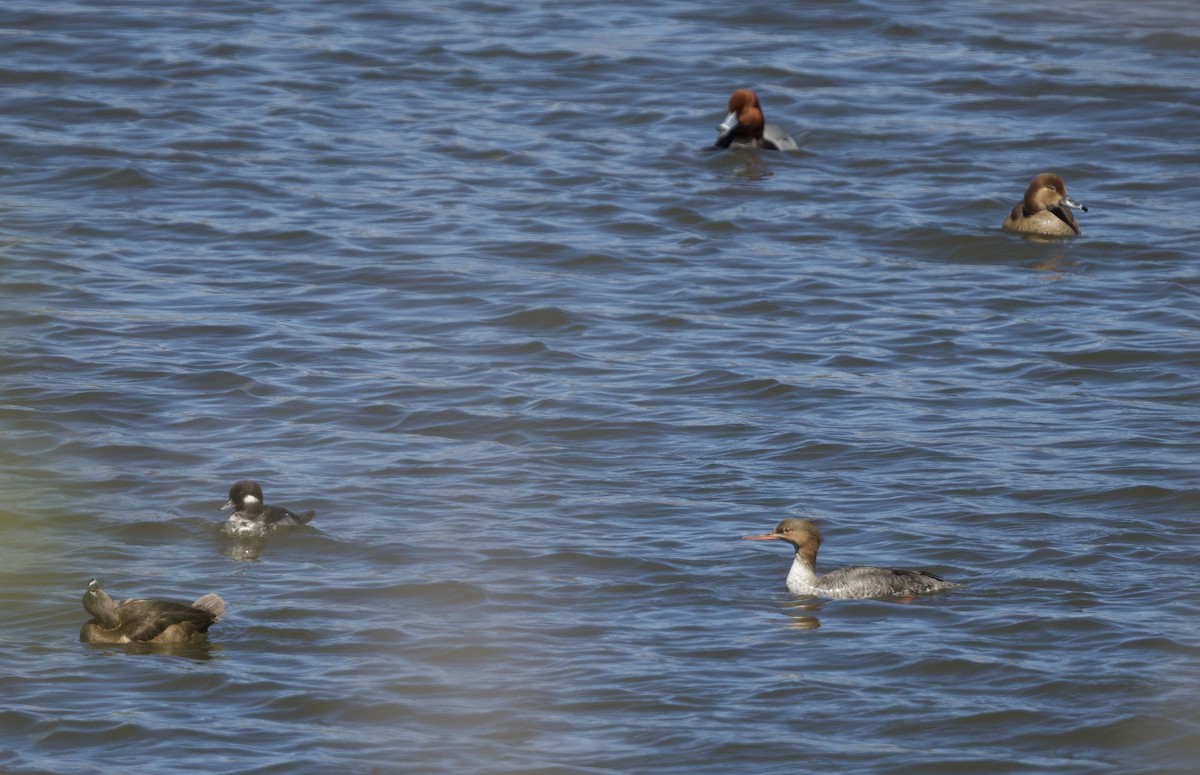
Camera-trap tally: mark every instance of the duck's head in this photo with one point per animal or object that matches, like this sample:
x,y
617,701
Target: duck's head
x,y
97,603
745,119
1046,192
244,495
797,532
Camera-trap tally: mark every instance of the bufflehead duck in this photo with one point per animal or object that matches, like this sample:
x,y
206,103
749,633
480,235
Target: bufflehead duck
x,y
858,581
745,126
251,515
147,621
1045,210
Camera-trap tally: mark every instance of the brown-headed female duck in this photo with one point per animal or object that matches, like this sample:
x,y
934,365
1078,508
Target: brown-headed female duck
x,y
1045,210
147,621
853,582
745,126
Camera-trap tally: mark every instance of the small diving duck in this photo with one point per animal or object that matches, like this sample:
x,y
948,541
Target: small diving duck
x,y
854,582
1045,209
251,515
745,126
147,621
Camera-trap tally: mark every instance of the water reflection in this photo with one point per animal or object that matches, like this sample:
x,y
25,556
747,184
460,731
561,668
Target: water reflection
x,y
754,169
199,650
802,613
1057,262
243,548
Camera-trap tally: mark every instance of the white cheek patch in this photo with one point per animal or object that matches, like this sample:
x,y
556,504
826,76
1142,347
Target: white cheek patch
x,y
249,499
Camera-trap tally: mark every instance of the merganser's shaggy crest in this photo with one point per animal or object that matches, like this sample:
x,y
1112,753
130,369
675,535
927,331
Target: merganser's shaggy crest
x,y
857,581
147,621
251,515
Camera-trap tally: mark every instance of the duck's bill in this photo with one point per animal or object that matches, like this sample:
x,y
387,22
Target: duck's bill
x,y
726,129
763,537
1069,202
228,505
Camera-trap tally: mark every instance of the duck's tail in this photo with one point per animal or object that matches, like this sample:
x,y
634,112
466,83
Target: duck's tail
x,y
211,603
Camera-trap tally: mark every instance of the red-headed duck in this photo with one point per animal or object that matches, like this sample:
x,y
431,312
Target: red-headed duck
x,y
1045,210
854,582
746,126
147,621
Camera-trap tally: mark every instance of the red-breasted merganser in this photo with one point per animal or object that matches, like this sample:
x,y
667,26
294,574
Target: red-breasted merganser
x,y
857,581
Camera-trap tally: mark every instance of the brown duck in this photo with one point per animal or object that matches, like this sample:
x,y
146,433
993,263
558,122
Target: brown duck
x,y
1045,210
147,621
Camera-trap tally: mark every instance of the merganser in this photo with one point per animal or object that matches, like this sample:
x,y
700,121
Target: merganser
x,y
745,126
251,515
857,581
147,621
1045,209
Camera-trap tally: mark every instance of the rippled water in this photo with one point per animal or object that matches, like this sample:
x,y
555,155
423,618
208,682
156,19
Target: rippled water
x,y
470,281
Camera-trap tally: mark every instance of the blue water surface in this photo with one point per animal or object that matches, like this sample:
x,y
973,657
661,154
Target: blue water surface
x,y
471,281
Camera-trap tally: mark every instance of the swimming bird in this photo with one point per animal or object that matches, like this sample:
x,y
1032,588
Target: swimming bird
x,y
1045,210
251,515
147,621
746,126
857,581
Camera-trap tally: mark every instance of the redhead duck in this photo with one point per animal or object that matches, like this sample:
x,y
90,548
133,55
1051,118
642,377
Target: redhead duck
x,y
147,621
1045,210
746,126
856,581
251,515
